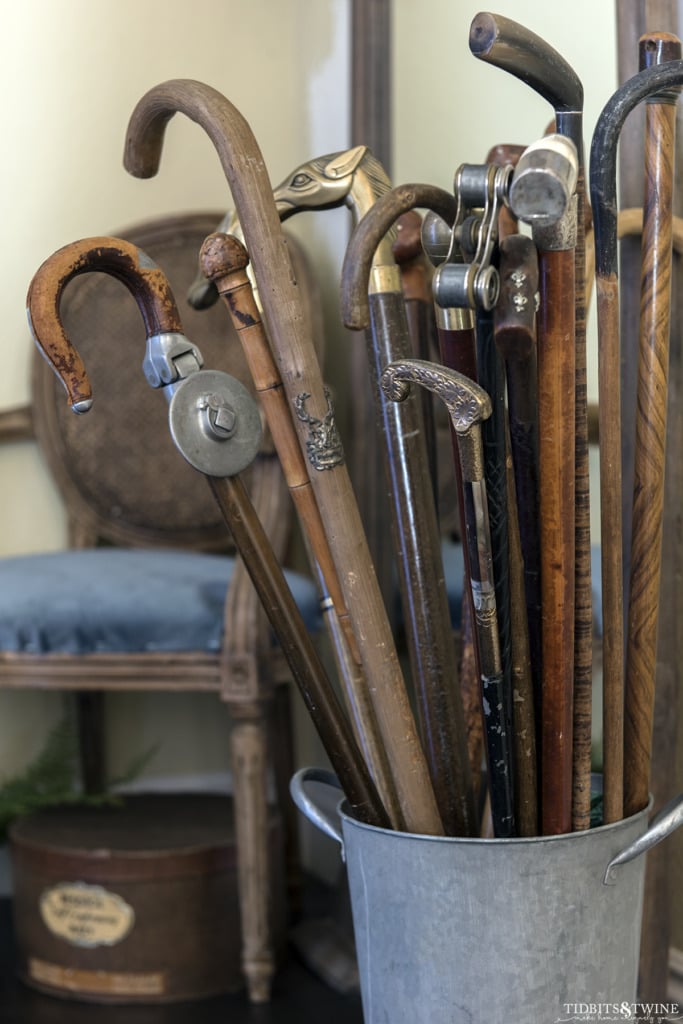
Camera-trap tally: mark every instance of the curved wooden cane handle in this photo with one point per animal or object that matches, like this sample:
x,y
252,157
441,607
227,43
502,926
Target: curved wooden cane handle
x,y
120,259
368,234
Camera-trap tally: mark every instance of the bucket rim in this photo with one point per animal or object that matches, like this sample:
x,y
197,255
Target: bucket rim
x,y
585,834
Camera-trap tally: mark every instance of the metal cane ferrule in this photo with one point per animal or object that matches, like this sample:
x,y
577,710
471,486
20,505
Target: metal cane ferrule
x,y
169,358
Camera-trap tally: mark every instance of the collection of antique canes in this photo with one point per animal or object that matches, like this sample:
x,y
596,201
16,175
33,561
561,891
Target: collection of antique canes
x,y
494,275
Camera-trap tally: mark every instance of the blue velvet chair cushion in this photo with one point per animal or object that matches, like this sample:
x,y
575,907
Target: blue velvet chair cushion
x,y
115,599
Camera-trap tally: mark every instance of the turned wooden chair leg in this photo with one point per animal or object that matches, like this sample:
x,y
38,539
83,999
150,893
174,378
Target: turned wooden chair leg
x,y
249,744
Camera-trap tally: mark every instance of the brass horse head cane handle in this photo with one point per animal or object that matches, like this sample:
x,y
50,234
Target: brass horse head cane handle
x,y
216,426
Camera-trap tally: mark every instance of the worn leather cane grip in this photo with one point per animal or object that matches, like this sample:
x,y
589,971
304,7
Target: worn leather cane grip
x,y
116,257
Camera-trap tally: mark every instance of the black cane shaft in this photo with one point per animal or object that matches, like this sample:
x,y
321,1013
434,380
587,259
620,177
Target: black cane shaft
x,y
523,710
458,351
491,376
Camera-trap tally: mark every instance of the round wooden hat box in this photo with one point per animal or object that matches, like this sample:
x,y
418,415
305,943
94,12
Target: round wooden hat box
x,y
135,902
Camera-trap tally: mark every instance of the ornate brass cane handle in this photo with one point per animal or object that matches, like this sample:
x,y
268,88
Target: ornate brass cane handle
x,y
467,403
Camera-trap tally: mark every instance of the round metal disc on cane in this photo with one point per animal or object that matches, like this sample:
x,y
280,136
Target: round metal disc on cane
x,y
215,423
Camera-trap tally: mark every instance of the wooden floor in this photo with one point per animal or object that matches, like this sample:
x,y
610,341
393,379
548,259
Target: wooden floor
x,y
298,998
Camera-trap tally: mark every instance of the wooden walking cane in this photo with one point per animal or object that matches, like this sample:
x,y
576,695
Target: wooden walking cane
x,y
428,340
518,268
295,357
467,280
168,368
554,234
456,342
650,443
223,256
416,283
224,261
468,405
512,47
603,191
355,178
458,351
515,337
414,522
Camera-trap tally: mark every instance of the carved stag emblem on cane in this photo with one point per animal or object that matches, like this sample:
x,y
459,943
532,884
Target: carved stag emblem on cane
x,y
324,444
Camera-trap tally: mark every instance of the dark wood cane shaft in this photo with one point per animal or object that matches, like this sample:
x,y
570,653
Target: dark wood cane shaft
x,y
583,586
648,503
523,713
417,546
417,294
469,405
515,336
609,415
556,419
458,351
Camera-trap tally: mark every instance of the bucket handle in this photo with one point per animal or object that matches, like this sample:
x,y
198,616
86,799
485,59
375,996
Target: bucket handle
x,y
662,825
307,805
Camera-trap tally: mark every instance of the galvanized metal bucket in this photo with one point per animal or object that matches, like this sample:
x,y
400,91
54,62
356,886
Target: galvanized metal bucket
x,y
463,931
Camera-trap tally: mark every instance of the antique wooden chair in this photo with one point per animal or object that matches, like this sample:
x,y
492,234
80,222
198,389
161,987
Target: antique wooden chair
x,y
149,595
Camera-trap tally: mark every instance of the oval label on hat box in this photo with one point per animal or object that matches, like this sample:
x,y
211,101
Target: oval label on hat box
x,y
86,915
